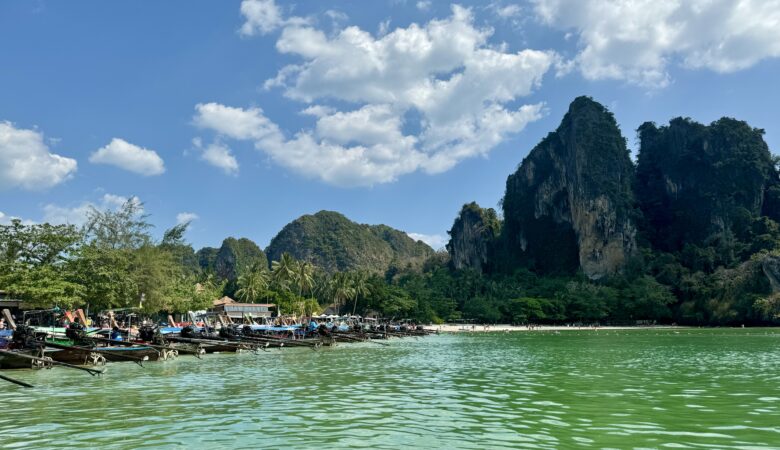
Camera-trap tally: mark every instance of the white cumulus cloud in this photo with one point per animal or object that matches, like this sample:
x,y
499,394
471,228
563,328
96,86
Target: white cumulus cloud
x,y
638,40
130,157
435,241
185,217
424,97
27,163
263,17
423,5
218,155
234,123
508,11
78,214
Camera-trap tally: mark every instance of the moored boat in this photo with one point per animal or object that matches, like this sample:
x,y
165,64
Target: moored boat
x,y
68,352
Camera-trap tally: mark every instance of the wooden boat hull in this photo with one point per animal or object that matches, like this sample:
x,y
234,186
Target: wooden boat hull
x,y
110,354
221,348
8,361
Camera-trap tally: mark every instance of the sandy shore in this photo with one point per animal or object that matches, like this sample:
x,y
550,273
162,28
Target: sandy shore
x,y
463,328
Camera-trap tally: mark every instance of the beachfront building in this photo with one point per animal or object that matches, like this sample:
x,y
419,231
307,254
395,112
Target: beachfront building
x,y
238,311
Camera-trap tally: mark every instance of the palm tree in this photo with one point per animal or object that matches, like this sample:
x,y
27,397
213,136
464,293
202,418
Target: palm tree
x,y
303,277
340,289
360,288
253,284
283,272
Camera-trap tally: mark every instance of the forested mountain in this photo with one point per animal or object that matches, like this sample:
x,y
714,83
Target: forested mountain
x,y
333,243
688,233
697,184
232,259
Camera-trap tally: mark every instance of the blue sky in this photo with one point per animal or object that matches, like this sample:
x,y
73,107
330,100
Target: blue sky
x,y
243,116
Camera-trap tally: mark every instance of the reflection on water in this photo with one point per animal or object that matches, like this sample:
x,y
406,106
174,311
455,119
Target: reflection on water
x,y
577,389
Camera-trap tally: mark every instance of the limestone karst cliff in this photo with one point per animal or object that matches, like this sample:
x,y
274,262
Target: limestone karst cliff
x,y
570,203
472,237
698,183
236,256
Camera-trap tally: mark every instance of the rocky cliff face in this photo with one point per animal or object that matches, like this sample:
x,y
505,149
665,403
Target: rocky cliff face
x,y
695,181
770,266
236,256
334,243
206,257
570,203
472,237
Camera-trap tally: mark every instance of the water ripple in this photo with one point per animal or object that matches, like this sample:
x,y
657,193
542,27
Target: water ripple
x,y
640,389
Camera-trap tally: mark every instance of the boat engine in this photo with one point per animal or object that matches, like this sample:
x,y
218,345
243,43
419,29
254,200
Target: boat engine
x,y
147,332
190,331
76,332
230,332
24,337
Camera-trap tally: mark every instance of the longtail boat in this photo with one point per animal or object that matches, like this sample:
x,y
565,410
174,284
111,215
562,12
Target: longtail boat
x,y
14,359
18,346
69,352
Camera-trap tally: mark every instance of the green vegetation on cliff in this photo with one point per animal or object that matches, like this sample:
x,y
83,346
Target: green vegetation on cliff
x,y
472,237
236,256
689,234
697,183
570,204
334,243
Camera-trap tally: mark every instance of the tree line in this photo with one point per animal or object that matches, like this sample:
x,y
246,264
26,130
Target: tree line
x,y
114,262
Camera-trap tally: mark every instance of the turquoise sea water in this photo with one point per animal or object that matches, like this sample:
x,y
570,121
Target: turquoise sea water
x,y
686,388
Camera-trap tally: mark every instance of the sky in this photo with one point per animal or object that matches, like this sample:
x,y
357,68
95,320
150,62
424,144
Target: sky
x,y
240,116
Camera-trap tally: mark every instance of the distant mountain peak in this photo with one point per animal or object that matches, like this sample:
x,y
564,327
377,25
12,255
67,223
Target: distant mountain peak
x,y
331,241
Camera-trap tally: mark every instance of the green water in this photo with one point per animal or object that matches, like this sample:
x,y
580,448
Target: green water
x,y
577,389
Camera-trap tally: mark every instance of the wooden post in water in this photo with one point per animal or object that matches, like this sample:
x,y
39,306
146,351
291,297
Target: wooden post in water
x,y
9,319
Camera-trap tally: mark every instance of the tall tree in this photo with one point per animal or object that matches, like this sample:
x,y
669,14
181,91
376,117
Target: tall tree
x,y
303,277
340,289
360,288
253,285
126,227
282,274
34,263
